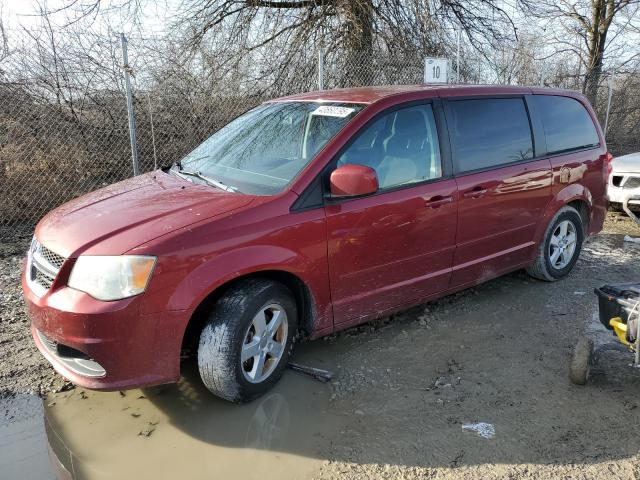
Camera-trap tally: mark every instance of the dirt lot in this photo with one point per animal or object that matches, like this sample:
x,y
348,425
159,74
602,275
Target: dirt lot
x,y
22,368
403,390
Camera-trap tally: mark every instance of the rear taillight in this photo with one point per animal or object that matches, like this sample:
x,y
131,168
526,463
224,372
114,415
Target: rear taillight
x,y
607,166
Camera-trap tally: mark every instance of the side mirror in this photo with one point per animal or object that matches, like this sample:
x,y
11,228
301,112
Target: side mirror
x,y
352,181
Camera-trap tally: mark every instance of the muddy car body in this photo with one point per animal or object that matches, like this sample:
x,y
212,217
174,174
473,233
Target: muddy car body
x,y
414,193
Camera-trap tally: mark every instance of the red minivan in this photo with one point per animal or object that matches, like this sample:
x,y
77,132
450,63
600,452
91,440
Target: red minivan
x,y
307,215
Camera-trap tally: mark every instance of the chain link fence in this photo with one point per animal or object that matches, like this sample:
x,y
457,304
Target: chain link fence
x,y
61,140
53,149
51,152
623,124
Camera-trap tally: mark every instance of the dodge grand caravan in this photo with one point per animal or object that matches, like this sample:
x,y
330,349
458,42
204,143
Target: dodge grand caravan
x,y
310,214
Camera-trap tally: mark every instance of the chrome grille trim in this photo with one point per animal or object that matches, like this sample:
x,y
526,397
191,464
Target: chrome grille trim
x,y
43,266
43,279
50,257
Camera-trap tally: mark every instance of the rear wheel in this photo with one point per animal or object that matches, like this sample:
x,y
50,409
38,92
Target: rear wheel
x,y
247,339
560,247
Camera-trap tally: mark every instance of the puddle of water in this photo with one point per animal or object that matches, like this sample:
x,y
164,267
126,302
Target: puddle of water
x,y
177,431
23,443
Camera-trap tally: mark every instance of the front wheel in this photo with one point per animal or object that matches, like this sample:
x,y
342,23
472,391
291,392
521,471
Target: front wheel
x,y
560,247
247,339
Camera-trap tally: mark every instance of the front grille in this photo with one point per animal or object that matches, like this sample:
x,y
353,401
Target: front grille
x,y
42,278
53,258
43,266
632,182
616,180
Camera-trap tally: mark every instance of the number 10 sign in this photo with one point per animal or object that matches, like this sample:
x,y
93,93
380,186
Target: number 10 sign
x,y
436,70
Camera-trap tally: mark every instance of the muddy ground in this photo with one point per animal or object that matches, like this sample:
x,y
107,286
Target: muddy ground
x,y
403,390
22,368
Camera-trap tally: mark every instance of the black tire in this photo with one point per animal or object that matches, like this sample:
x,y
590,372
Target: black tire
x,y
542,268
580,366
224,333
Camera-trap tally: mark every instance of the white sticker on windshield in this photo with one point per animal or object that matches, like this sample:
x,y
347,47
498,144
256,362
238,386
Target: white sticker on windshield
x,y
331,111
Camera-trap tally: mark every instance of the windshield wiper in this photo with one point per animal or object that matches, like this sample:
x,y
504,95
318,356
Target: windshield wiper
x,y
211,181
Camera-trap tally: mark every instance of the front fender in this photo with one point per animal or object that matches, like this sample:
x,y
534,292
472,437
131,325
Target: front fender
x,y
239,262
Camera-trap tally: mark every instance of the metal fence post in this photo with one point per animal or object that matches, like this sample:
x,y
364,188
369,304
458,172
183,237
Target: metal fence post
x,y
609,97
321,68
458,56
153,133
130,113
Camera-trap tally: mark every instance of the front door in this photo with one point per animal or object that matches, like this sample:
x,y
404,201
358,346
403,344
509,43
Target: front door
x,y
395,247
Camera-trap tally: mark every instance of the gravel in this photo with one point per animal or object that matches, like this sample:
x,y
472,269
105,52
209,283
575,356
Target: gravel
x,y
497,353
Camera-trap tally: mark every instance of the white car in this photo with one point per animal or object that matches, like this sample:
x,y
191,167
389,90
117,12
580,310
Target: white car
x,y
624,180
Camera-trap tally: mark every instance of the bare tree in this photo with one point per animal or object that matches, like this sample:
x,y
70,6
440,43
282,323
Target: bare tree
x,y
4,45
590,29
354,30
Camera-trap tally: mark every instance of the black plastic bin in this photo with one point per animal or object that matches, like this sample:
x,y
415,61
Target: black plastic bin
x,y
617,301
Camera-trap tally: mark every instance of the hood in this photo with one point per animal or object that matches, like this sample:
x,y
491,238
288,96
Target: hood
x,y
115,219
627,163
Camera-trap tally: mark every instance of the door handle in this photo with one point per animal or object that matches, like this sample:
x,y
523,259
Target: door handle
x,y
438,200
475,192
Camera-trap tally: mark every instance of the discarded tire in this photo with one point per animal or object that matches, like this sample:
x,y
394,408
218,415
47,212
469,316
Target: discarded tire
x,y
580,367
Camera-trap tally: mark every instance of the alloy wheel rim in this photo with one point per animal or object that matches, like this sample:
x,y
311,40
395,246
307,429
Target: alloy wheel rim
x,y
264,343
562,245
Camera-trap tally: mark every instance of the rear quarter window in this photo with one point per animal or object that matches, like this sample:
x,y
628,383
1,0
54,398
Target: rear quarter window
x,y
566,122
489,132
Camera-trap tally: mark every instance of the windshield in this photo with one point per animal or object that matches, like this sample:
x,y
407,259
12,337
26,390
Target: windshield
x,y
260,152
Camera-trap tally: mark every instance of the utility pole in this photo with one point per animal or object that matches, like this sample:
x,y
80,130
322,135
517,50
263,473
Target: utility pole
x,y
130,113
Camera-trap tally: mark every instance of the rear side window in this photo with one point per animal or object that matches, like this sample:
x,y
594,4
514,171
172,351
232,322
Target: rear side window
x,y
567,124
489,132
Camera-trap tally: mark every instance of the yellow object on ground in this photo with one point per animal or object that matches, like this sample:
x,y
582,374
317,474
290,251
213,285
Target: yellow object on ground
x,y
621,330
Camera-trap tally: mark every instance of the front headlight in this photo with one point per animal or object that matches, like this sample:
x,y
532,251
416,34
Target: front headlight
x,y
111,278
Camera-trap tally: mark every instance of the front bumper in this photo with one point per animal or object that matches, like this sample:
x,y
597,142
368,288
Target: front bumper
x,y
73,360
622,186
105,345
